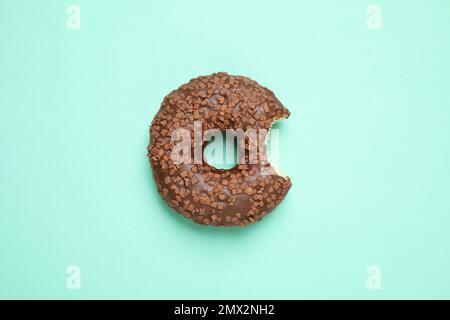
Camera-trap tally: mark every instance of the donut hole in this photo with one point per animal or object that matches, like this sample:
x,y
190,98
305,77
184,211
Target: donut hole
x,y
222,153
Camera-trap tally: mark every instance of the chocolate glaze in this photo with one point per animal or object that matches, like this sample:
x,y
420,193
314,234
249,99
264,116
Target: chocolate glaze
x,y
205,194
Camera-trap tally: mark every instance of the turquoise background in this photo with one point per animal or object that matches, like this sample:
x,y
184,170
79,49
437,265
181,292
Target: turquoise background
x,y
367,148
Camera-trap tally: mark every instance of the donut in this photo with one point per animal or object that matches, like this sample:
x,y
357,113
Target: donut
x,y
212,196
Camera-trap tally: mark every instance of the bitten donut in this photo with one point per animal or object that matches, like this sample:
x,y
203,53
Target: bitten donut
x,y
236,197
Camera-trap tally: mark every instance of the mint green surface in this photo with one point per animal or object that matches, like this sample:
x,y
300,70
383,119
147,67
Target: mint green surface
x,y
367,149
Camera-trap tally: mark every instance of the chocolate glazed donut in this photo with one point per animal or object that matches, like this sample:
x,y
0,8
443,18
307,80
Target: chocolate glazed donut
x,y
207,195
